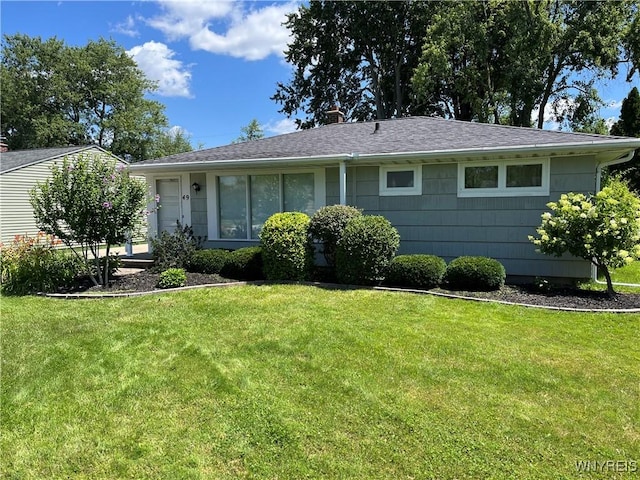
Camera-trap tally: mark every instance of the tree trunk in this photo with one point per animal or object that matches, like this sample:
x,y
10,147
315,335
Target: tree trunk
x,y
106,267
610,291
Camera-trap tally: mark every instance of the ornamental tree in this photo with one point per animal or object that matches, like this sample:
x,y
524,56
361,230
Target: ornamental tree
x,y
602,228
87,203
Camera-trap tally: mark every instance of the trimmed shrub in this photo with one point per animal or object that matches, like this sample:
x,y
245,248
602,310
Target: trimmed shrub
x,y
210,261
365,250
326,226
244,264
474,273
286,254
33,264
172,278
173,250
416,271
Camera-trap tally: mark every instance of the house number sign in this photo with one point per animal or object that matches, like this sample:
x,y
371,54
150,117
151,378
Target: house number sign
x,y
185,197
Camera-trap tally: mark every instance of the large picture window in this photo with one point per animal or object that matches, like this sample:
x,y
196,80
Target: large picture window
x,y
501,179
246,201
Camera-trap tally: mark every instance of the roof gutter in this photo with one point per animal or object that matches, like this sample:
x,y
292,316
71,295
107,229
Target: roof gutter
x,y
328,159
522,149
617,161
398,156
601,165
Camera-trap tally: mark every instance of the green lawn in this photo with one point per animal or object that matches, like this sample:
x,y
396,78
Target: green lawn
x,y
628,274
295,382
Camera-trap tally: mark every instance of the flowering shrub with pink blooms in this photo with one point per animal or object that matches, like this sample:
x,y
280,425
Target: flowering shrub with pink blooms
x,y
88,203
602,228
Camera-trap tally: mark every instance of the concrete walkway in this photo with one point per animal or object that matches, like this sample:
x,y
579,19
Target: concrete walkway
x,y
140,254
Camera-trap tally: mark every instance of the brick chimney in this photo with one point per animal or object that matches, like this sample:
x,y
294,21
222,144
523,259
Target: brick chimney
x,y
335,115
3,146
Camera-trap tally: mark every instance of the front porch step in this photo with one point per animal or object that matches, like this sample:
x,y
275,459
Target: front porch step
x,y
137,261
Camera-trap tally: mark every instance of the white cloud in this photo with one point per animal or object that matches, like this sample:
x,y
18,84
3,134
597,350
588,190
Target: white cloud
x,y
551,112
226,28
286,125
614,104
126,27
156,61
176,130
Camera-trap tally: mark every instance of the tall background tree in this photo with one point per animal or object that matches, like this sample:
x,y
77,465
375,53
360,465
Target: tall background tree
x,y
54,94
358,55
495,61
629,126
251,131
504,62
170,142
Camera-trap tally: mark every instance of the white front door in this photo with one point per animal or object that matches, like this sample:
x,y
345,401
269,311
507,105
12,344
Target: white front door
x,y
169,212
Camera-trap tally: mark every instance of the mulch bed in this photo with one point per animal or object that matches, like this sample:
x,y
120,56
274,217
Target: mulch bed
x,y
146,281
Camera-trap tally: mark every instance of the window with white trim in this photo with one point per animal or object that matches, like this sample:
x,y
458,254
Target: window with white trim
x,y
523,177
246,201
401,180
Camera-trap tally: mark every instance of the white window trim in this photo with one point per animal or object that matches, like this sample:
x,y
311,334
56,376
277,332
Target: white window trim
x,y
502,190
386,191
213,215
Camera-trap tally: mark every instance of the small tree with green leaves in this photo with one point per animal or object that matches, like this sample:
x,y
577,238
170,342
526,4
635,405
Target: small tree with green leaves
x,y
87,203
602,228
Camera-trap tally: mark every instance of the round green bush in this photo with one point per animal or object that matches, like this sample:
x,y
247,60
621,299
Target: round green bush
x,y
474,273
365,250
286,253
208,261
326,227
416,271
172,278
244,264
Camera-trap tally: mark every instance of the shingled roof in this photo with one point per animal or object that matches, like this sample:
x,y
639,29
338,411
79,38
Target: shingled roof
x,y
419,135
16,159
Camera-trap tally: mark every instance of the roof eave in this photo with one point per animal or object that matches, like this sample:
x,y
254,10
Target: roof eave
x,y
62,155
362,158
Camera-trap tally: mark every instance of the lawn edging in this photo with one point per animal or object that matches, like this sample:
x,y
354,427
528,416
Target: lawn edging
x,y
333,286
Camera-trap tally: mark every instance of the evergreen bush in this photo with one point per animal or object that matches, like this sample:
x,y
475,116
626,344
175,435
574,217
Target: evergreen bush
x,y
286,253
326,227
244,264
210,261
474,273
366,248
416,271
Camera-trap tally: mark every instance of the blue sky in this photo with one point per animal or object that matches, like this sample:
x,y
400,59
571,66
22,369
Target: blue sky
x,y
217,62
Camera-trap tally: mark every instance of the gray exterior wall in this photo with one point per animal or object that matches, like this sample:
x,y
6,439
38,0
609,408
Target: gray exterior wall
x,y
199,205
439,223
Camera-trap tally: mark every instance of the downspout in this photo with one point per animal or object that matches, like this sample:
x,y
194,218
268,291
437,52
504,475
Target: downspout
x,y
343,177
343,182
626,158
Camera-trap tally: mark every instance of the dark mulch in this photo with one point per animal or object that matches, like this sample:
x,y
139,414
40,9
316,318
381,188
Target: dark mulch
x,y
565,297
146,281
561,297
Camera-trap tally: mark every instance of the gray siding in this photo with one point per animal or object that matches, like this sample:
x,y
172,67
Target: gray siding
x,y
199,205
438,222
